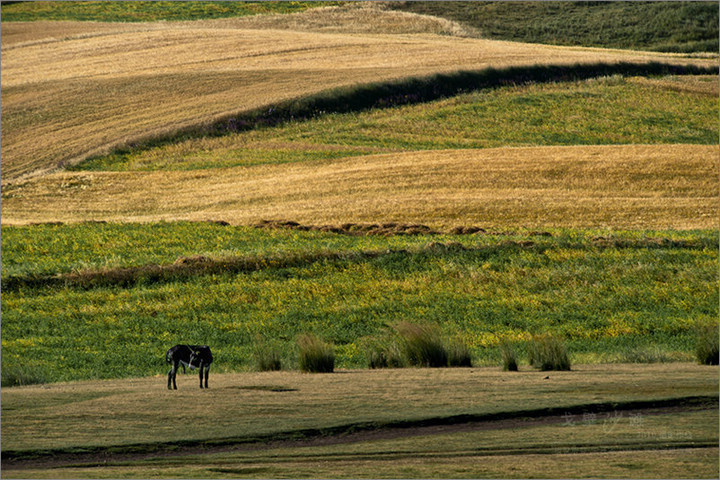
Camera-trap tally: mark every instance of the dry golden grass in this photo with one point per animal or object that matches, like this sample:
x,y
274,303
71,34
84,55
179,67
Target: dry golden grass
x,y
355,17
630,186
70,90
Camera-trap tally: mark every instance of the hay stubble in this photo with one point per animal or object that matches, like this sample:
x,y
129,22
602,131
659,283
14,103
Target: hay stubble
x,y
629,186
68,96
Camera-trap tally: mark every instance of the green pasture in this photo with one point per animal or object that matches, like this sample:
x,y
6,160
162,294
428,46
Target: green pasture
x,y
613,296
145,11
608,110
662,26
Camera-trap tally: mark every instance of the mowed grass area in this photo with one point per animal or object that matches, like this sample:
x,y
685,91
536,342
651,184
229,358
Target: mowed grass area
x,y
613,296
248,405
140,418
622,447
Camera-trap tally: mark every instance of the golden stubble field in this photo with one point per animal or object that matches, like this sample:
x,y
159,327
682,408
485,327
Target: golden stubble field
x,y
627,186
73,89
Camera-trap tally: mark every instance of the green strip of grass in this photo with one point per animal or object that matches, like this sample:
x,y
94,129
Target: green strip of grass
x,y
608,110
143,11
663,26
605,299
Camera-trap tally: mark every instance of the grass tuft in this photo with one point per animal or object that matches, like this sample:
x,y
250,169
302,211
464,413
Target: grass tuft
x,y
458,354
18,375
267,357
706,349
548,352
509,358
422,345
316,356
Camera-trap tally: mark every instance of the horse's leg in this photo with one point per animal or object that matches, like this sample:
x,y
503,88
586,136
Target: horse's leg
x,y
173,374
170,375
200,369
207,373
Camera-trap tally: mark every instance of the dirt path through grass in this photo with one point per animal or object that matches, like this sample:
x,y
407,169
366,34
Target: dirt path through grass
x,y
358,433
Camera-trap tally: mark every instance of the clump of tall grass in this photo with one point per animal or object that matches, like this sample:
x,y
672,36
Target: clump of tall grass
x,y
458,354
267,357
315,355
384,354
548,352
418,346
509,357
706,348
422,345
17,375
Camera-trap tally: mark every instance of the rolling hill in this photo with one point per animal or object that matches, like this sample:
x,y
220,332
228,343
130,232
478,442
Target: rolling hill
x,y
72,90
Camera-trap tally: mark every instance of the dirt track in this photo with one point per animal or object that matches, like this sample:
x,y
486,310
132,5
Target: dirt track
x,y
366,433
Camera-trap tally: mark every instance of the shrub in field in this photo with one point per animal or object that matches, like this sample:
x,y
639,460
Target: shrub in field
x,y
706,349
547,352
17,375
509,358
267,357
316,356
385,358
422,345
384,354
458,354
645,355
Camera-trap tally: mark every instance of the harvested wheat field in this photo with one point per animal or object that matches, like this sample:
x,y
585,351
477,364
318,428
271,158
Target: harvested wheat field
x,y
632,186
71,89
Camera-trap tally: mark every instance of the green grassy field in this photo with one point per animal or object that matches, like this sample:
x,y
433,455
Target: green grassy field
x,y
614,296
89,308
664,26
146,11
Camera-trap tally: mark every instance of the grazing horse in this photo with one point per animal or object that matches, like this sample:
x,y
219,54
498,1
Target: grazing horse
x,y
193,356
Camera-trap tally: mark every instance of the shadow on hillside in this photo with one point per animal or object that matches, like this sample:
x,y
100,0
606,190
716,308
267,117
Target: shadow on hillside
x,y
408,91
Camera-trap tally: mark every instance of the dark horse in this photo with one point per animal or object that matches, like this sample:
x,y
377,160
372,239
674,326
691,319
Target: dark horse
x,y
193,356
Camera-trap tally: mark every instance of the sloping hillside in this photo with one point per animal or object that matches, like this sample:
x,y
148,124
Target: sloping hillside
x,y
68,96
661,26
